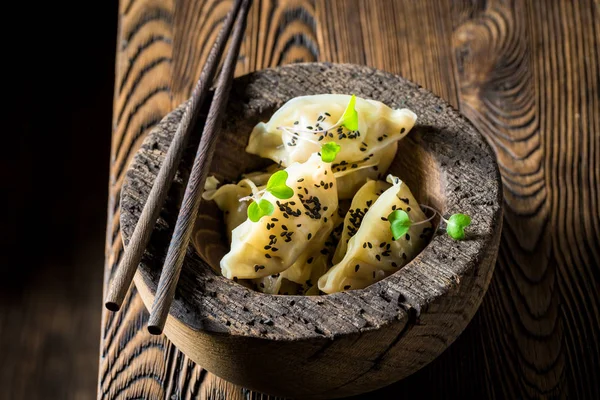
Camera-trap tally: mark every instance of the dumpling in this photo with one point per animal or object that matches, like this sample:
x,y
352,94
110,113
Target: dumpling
x,y
272,245
350,180
362,201
300,127
310,265
372,253
228,196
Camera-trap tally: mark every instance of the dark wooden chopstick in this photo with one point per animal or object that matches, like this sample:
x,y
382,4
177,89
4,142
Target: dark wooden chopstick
x,y
192,197
141,235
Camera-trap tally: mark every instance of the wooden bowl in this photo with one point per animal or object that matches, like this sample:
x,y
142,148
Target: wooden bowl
x,y
345,343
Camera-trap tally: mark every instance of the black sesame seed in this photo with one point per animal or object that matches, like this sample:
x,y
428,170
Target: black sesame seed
x,y
274,249
271,236
394,264
378,257
364,245
274,219
267,247
393,207
298,226
384,219
346,287
267,255
379,139
369,203
407,236
296,122
324,252
356,268
310,260
404,256
404,199
235,278
284,227
408,209
370,245
382,244
309,236
309,127
402,130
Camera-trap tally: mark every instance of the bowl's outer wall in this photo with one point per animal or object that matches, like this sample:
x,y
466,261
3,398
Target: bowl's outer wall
x,y
346,343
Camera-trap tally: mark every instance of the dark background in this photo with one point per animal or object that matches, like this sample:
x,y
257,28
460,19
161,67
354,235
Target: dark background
x,y
54,171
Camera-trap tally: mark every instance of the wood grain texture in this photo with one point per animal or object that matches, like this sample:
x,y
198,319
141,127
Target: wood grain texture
x,y
524,72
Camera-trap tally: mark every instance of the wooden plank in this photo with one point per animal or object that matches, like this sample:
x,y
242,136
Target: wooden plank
x,y
159,54
523,72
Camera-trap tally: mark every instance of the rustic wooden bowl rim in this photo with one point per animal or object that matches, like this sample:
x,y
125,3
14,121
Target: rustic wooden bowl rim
x,y
285,318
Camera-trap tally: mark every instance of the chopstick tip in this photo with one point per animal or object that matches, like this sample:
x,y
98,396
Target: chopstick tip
x,y
154,330
112,306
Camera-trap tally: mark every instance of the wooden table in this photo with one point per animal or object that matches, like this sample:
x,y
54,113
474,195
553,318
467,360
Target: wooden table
x,y
526,73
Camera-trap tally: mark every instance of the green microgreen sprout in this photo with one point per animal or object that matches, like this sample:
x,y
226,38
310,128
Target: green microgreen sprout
x,y
456,224
276,186
349,118
400,223
329,151
258,209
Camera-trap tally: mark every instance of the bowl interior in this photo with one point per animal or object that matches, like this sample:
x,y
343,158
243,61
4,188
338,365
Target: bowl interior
x,y
445,162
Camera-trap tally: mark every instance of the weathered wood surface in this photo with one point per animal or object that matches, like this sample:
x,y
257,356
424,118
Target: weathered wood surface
x,y
524,72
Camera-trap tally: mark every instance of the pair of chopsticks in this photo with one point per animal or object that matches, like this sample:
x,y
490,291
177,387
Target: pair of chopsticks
x,y
192,197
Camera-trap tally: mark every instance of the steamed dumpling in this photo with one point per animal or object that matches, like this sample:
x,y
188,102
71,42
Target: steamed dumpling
x,y
350,180
311,264
301,270
372,253
309,117
228,196
362,201
274,243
